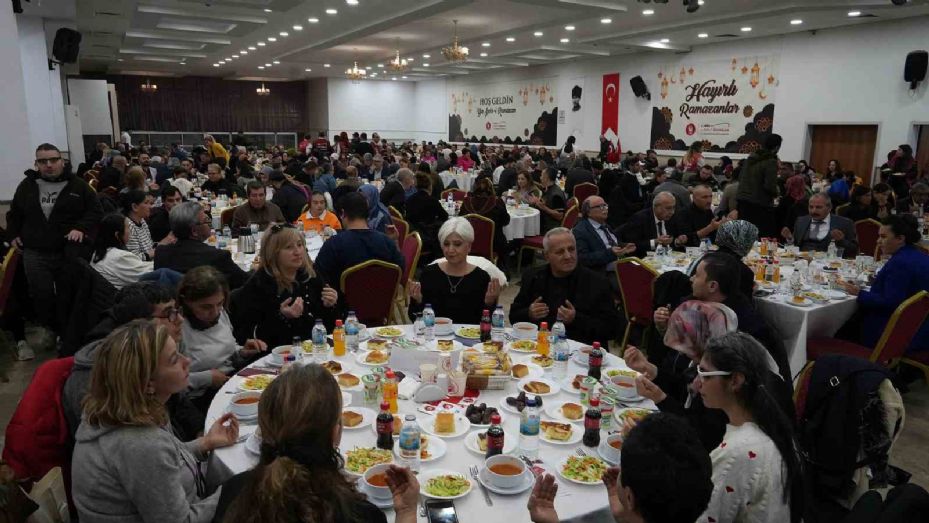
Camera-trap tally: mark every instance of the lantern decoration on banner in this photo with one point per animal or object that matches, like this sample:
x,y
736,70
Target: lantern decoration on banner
x,y
770,79
543,93
755,76
664,87
734,62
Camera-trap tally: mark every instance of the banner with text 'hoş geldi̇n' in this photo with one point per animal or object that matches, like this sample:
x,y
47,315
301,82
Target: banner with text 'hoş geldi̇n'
x,y
727,104
514,112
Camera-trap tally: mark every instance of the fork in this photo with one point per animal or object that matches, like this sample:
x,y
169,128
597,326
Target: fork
x,y
473,469
580,452
422,508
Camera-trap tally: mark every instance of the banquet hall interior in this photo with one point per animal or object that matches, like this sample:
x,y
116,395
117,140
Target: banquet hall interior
x,y
464,260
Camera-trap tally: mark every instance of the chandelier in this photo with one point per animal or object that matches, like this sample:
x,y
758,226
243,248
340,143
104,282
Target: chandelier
x,y
398,64
148,87
455,53
263,91
355,73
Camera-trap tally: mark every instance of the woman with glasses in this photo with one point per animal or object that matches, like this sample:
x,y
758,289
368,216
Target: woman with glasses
x,y
285,296
127,464
756,469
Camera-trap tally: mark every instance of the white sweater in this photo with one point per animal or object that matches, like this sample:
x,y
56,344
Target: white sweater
x,y
121,267
747,479
213,348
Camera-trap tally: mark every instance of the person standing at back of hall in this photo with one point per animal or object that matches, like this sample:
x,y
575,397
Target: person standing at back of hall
x,y
758,187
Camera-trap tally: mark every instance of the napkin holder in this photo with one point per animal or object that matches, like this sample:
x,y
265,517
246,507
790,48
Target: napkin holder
x,y
429,392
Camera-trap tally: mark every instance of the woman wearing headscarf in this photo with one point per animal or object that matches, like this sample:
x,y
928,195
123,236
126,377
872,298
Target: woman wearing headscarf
x,y
378,215
794,204
736,238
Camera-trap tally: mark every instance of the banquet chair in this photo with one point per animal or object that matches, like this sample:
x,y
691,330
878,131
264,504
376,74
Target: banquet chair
x,y
412,248
636,286
838,210
582,191
484,229
403,229
572,202
394,213
534,243
94,183
369,289
900,330
7,273
225,217
867,231
457,194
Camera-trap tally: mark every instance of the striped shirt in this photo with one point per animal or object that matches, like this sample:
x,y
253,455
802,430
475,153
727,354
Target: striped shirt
x,y
140,239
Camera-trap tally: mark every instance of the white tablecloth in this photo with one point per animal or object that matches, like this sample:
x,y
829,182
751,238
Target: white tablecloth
x,y
464,180
573,501
523,223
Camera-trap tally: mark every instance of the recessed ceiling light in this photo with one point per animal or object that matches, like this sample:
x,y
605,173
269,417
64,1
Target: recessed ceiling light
x,y
267,65
565,40
261,67
569,28
251,48
368,68
700,2
665,40
854,13
485,44
313,20
351,2
606,20
403,77
332,11
381,66
298,28
538,33
703,35
235,56
214,65
326,65
267,10
746,29
648,12
243,51
308,70
394,78
483,54
276,62
284,33
410,59
373,74
261,44
510,39
796,22
425,65
272,39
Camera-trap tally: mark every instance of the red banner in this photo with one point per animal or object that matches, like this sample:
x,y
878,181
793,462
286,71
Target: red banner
x,y
610,116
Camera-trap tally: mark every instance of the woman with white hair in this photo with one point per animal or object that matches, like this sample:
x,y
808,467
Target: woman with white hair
x,y
455,288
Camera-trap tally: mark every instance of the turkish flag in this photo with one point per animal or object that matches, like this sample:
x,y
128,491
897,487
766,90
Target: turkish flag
x,y
609,126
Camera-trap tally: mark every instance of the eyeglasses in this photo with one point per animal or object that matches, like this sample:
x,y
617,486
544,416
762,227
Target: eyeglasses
x,y
601,206
47,161
168,314
704,374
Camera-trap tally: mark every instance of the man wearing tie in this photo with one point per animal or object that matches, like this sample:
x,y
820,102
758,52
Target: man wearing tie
x,y
655,226
598,248
816,231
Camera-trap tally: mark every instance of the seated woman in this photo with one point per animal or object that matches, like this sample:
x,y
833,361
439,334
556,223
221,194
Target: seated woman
x,y
127,464
526,190
904,275
756,469
736,238
378,215
299,473
111,259
437,185
859,206
137,206
483,201
465,162
882,202
285,296
207,332
455,288
425,214
795,203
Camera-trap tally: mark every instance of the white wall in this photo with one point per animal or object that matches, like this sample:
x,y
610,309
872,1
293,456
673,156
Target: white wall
x,y
385,107
430,118
44,103
93,100
16,149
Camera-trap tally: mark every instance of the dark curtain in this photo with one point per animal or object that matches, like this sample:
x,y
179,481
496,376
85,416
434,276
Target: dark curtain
x,y
209,104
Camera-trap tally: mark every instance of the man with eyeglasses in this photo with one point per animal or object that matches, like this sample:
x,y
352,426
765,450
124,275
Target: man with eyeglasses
x,y
50,217
598,247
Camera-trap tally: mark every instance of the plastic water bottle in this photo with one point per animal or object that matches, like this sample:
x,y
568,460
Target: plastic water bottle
x,y
227,232
705,245
560,354
832,252
296,348
529,430
351,332
319,341
409,443
497,324
558,331
429,322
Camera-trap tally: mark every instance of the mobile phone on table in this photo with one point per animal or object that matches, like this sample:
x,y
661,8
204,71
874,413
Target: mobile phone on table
x,y
441,511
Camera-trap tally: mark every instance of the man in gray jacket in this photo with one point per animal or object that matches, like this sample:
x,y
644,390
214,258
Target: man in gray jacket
x,y
820,228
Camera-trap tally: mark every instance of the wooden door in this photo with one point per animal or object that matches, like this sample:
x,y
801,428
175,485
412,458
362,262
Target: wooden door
x,y
852,145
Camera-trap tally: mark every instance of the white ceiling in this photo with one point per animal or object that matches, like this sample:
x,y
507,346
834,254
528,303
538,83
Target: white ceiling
x,y
187,37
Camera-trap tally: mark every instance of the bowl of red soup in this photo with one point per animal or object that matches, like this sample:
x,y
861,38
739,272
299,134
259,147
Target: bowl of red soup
x,y
280,353
245,404
611,448
505,471
375,479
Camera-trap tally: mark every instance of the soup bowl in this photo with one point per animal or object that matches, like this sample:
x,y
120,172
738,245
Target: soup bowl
x,y
245,404
505,471
280,353
444,326
612,447
375,479
625,384
525,330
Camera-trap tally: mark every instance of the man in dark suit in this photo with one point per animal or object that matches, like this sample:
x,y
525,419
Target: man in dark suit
x,y
394,192
580,173
562,290
817,230
191,226
649,228
598,247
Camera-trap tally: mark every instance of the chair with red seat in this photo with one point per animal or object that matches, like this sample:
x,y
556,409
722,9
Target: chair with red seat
x,y
484,229
457,194
867,231
534,243
900,330
570,217
394,213
412,248
369,289
403,229
10,265
636,286
582,191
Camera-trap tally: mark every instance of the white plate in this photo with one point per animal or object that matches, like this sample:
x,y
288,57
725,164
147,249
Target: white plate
x,y
567,387
560,468
581,359
253,443
554,388
509,408
528,482
806,302
378,332
510,442
242,381
427,424
367,417
459,332
425,476
509,346
433,346
341,366
554,411
834,294
360,359
577,434
602,455
353,388
444,329
364,345
346,399
503,419
359,474
381,503
619,414
437,448
535,371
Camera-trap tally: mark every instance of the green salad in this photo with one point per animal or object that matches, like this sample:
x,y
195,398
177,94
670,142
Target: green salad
x,y
447,485
586,470
359,460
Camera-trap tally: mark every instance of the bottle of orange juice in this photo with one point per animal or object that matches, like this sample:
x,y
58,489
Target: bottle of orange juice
x,y
338,339
541,345
390,390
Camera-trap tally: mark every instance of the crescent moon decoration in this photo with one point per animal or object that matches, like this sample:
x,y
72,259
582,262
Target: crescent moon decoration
x,y
608,87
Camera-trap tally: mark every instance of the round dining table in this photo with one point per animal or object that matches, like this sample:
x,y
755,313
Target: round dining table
x,y
573,502
525,221
464,180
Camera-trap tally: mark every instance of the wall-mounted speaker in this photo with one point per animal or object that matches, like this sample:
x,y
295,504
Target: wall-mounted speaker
x,y
66,46
639,87
915,69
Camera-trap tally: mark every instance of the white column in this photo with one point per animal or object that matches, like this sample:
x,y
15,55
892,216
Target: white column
x,y
16,151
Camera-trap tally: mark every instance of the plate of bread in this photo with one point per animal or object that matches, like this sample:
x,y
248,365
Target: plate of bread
x,y
375,344
559,432
332,366
538,386
374,358
357,417
444,346
348,381
526,370
445,424
565,411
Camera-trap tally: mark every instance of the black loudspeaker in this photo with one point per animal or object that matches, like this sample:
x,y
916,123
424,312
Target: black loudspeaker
x,y
66,46
639,88
915,69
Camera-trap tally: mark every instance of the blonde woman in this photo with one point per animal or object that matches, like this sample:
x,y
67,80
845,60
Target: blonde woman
x,y
285,296
127,464
299,474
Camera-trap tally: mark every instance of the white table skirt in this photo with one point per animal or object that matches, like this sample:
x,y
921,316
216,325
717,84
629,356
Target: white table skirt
x,y
574,502
523,223
464,180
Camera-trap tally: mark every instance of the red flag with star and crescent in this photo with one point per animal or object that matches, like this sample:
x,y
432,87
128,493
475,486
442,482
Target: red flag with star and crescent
x,y
609,126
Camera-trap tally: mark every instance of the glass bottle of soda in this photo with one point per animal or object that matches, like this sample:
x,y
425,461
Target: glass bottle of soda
x,y
595,361
385,428
494,437
592,423
485,326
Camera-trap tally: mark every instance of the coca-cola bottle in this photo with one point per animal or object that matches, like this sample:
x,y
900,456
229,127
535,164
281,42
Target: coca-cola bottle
x,y
485,326
595,361
385,428
592,423
494,437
